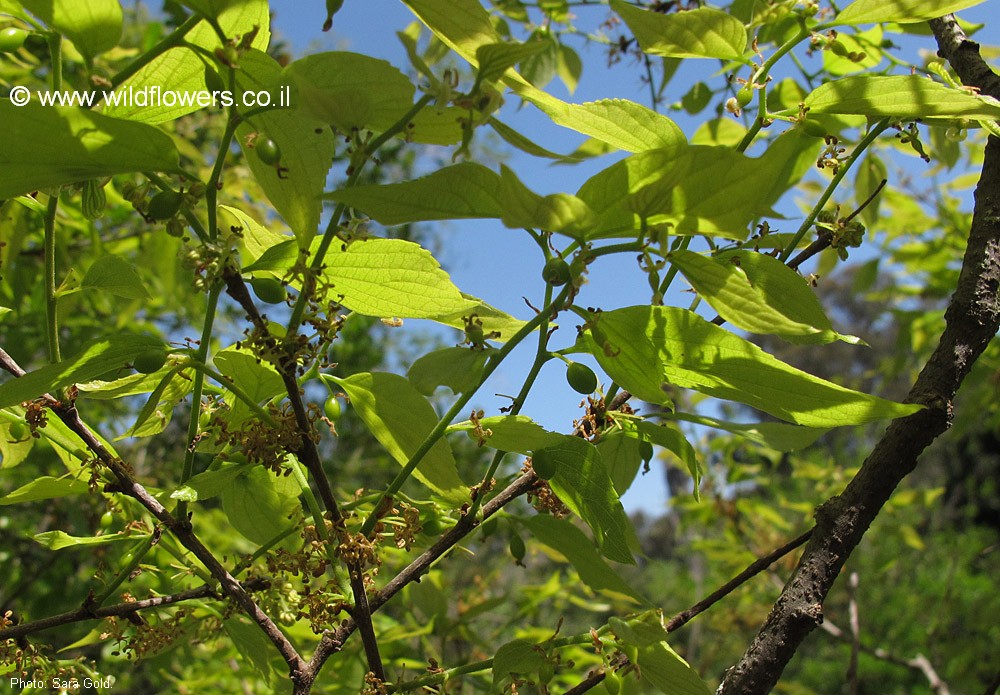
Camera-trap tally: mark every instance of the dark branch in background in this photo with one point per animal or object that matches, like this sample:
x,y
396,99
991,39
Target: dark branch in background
x,y
919,663
180,528
972,320
686,615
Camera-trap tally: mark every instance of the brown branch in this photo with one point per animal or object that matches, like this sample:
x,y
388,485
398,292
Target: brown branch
x,y
972,320
126,609
333,641
309,455
180,528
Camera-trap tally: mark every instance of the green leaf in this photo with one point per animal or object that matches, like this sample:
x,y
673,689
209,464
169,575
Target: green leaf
x,y
114,275
349,90
776,435
458,368
494,320
899,96
666,671
14,450
93,26
161,402
258,379
259,504
57,540
567,539
622,457
517,433
208,484
899,11
400,419
644,348
521,142
252,644
558,212
307,149
391,278
255,239
181,70
46,488
463,25
514,658
674,441
47,146
699,33
463,191
495,58
621,123
96,360
583,484
757,293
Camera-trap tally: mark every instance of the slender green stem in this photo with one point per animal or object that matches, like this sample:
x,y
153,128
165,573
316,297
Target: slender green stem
x,y
211,188
338,213
542,355
679,244
197,388
760,78
807,223
138,552
51,308
456,408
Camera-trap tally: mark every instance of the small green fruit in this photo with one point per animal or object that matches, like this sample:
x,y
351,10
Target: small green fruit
x,y
955,134
646,451
581,378
556,272
544,465
332,408
11,39
107,518
517,549
149,361
17,430
744,96
269,290
267,151
164,205
93,199
813,128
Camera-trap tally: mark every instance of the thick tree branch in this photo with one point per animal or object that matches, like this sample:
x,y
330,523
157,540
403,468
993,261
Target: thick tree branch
x,y
972,320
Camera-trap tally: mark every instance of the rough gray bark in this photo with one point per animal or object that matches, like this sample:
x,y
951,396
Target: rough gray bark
x,y
972,321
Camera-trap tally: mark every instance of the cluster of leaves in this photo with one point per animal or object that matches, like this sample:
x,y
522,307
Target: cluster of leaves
x,y
244,530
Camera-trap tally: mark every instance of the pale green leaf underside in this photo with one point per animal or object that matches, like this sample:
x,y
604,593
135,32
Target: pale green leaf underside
x,y
258,505
391,278
563,537
114,275
458,368
899,96
584,485
900,11
48,146
698,33
57,540
773,301
93,26
45,488
517,433
97,360
307,149
644,348
182,70
776,435
400,419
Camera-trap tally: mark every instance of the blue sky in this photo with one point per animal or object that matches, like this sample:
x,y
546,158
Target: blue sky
x,y
501,265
